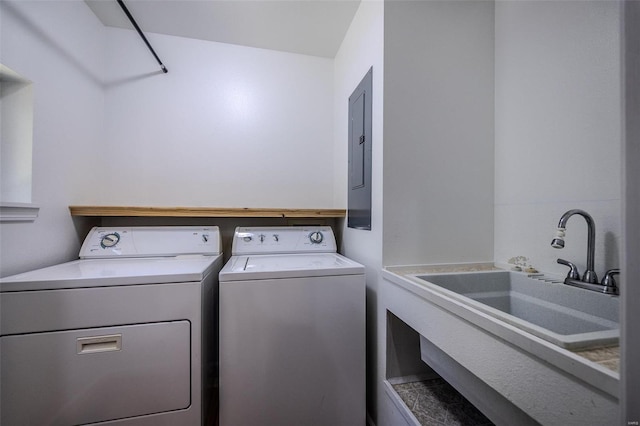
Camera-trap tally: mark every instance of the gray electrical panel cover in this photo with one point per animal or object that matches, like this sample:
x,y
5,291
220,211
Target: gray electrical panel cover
x,y
359,190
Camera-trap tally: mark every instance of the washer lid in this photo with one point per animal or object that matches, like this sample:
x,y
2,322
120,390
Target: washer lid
x,y
113,272
259,267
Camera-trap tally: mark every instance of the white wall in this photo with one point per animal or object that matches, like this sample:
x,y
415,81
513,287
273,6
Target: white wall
x,y
361,49
228,126
558,130
437,153
59,46
438,132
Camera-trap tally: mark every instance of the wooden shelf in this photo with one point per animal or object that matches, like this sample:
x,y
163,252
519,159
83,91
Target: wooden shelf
x,y
128,211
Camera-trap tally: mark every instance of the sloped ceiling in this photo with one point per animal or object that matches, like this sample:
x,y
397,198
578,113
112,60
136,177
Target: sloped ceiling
x,y
310,27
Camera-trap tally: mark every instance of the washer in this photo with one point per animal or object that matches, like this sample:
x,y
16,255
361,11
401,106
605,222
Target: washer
x,y
125,335
292,330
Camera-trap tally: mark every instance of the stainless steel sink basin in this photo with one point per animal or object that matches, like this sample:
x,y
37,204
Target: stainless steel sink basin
x,y
569,317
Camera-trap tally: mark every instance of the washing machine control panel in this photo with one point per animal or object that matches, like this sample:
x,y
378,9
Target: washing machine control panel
x,y
293,239
151,241
109,240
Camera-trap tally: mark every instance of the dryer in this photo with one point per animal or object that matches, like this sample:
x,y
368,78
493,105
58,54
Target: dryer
x,y
292,330
125,335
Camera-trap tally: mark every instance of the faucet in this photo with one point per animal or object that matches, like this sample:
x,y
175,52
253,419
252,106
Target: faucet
x,y
558,242
589,280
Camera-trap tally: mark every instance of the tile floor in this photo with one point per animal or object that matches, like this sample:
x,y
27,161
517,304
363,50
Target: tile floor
x,y
435,402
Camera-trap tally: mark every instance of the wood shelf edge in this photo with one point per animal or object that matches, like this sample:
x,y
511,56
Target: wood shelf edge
x,y
133,211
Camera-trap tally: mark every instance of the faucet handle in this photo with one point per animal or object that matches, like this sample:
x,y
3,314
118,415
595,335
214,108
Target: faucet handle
x,y
608,280
573,269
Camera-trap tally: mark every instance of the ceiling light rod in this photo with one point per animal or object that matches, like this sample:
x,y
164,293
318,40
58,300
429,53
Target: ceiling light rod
x,y
135,24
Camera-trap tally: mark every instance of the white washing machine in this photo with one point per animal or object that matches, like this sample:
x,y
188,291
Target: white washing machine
x,y
125,335
292,331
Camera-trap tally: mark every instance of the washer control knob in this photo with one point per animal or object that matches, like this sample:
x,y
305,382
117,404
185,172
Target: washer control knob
x,y
109,240
316,237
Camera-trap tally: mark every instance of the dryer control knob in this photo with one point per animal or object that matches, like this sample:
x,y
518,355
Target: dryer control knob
x,y
110,240
316,237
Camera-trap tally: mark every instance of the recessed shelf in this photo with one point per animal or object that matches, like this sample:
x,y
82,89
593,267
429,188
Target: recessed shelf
x,y
131,211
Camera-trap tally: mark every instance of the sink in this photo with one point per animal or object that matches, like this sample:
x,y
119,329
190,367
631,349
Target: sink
x,y
570,317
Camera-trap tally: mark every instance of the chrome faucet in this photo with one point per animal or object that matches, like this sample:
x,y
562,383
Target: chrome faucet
x,y
589,280
558,242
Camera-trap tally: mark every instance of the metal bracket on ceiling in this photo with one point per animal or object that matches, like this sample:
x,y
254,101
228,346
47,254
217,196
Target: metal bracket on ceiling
x,y
135,25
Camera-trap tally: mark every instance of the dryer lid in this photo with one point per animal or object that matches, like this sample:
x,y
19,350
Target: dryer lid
x,y
88,273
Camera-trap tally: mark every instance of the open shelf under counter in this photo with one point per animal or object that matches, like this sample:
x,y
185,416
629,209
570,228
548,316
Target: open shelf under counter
x,y
140,211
